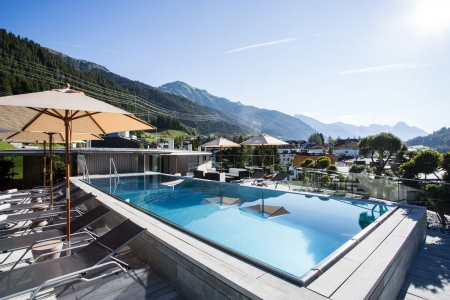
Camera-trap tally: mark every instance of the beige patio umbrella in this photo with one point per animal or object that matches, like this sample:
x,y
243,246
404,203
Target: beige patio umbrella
x,y
220,143
261,140
50,137
5,130
65,111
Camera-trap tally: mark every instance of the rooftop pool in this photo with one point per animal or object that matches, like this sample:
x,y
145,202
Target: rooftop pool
x,y
283,231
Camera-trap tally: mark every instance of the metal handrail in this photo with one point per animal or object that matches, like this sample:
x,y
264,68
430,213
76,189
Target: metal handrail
x,y
86,171
117,180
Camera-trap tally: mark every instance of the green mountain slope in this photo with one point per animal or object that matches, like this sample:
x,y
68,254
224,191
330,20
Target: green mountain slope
x,y
440,140
27,67
255,119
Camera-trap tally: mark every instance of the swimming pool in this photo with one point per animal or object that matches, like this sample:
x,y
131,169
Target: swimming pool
x,y
285,231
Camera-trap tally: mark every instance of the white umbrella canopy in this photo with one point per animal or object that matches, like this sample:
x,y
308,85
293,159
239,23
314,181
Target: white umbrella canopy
x,y
220,143
44,112
264,139
261,140
65,111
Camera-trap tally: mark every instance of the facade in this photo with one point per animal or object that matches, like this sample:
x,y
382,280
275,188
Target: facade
x,y
348,147
29,163
313,148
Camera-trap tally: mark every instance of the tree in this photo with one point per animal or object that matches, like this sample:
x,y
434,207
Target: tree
x,y
196,143
332,169
384,144
307,163
317,138
357,168
331,144
427,162
445,165
323,162
6,172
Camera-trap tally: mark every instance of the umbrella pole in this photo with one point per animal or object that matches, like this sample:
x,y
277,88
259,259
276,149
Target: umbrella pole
x,y
220,149
50,138
45,165
66,124
262,159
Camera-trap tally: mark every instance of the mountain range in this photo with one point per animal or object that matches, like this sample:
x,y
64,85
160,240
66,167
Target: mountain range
x,y
401,129
235,116
274,122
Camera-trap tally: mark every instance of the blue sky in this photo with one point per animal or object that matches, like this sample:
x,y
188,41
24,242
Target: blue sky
x,y
359,62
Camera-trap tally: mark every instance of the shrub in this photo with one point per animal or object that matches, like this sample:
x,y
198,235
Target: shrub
x,y
358,169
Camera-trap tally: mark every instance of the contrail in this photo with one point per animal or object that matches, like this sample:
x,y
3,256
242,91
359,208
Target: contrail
x,y
261,45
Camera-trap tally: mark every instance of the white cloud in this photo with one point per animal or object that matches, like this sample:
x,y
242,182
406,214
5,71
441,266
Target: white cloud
x,y
367,113
309,114
324,33
348,116
387,68
261,45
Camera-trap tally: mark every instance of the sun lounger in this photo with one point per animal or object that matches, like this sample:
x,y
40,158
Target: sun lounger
x,y
258,175
57,201
15,243
39,215
37,189
276,179
66,269
24,198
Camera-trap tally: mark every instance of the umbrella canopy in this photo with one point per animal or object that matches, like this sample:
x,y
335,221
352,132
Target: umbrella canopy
x,y
57,137
220,143
45,111
6,130
261,140
65,111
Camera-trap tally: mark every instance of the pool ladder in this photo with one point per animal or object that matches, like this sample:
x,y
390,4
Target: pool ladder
x,y
85,171
112,167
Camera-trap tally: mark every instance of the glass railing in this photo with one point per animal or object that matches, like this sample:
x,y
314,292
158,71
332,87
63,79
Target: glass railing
x,y
370,186
250,162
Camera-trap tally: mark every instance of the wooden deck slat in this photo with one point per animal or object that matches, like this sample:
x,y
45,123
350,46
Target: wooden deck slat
x,y
429,275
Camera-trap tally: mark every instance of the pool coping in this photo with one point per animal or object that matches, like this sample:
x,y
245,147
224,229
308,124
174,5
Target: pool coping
x,y
253,282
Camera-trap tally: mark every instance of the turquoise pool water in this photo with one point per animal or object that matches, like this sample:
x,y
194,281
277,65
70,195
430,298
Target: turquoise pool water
x,y
302,232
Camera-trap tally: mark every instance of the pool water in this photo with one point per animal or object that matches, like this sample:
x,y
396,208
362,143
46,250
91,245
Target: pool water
x,y
287,231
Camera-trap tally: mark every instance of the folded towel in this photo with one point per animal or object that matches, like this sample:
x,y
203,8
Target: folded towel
x,y
11,191
5,197
5,206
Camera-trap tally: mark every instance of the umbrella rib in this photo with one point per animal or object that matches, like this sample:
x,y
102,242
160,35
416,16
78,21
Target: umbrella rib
x,y
83,116
35,117
58,114
45,111
139,120
90,116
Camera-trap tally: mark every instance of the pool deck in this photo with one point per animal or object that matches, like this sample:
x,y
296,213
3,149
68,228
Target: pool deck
x,y
375,268
429,276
